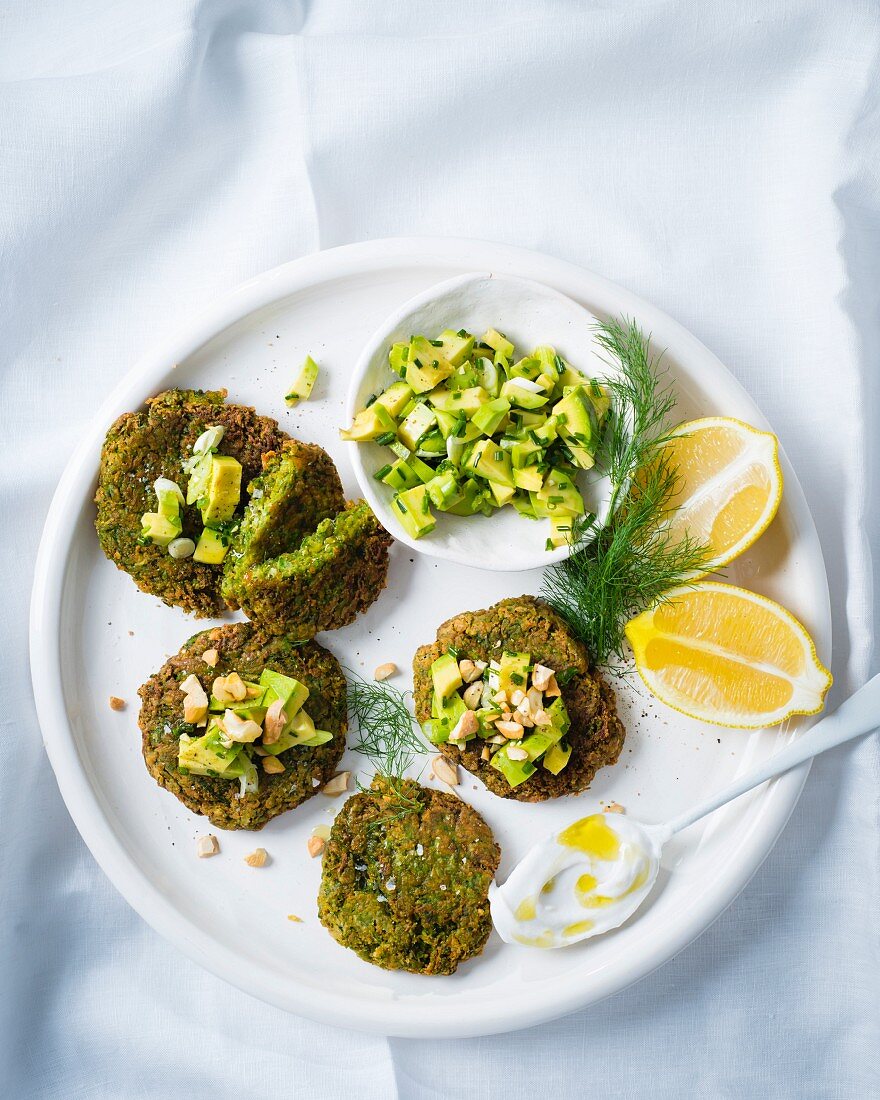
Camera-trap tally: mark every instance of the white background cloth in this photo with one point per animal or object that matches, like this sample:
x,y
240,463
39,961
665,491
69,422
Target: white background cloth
x,y
719,159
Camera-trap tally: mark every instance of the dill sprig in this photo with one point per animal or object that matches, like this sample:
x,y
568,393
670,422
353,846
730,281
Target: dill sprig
x,y
633,560
388,733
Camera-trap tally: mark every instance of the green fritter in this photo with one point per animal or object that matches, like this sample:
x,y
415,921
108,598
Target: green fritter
x,y
243,649
527,625
405,878
143,446
298,488
297,583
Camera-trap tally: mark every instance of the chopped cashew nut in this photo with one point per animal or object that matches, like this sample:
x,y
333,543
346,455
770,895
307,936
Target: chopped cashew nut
x,y
229,689
542,718
272,765
511,730
337,785
384,671
472,695
615,808
541,676
315,845
293,917
465,727
257,858
499,697
553,690
274,722
470,671
195,701
515,752
243,730
516,697
211,657
207,846
116,703
444,771
536,700
486,753
253,690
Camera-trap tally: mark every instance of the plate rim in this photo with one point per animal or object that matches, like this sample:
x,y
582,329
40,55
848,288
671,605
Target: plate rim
x,y
398,1017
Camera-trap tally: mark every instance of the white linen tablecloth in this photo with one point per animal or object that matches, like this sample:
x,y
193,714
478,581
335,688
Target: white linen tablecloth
x,y
719,159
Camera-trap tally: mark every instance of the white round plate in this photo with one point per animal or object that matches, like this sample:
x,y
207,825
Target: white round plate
x,y
529,314
93,634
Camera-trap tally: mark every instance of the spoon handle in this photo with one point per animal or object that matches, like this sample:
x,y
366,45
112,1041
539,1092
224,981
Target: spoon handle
x,y
858,715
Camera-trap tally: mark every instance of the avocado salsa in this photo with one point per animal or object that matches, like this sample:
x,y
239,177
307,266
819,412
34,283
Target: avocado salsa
x,y
472,427
577,733
241,726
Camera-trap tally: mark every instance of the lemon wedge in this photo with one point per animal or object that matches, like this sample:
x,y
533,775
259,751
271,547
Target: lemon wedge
x,y
730,484
727,656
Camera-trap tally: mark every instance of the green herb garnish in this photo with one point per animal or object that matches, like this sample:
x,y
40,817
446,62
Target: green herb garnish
x,y
633,560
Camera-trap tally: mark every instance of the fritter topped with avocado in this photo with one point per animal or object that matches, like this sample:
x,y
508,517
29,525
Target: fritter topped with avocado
x,y
156,443
405,878
508,692
241,726
303,561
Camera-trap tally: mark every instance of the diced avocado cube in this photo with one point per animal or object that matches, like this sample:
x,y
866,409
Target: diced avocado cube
x,y
445,676
457,425
568,376
561,528
577,419
432,445
401,476
513,672
522,396
395,398
547,432
488,375
427,366
223,490
422,470
160,530
455,401
501,494
491,462
514,771
211,548
206,755
523,505
490,417
555,758
397,357
408,408
370,423
560,492
457,346
444,490
473,500
558,713
600,397
537,743
529,478
526,368
546,356
498,342
419,421
301,390
526,453
413,508
288,689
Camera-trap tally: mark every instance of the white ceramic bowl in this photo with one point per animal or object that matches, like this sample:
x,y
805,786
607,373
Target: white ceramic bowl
x,y
529,314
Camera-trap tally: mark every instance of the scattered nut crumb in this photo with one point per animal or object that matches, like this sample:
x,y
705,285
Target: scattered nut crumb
x,y
211,657
615,808
116,703
272,765
207,846
323,831
257,858
384,671
443,770
315,845
294,918
337,785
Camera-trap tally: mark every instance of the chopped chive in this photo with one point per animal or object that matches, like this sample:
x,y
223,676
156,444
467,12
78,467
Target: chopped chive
x,y
566,676
400,505
516,678
385,438
499,455
382,471
436,343
548,545
463,333
556,500
370,400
